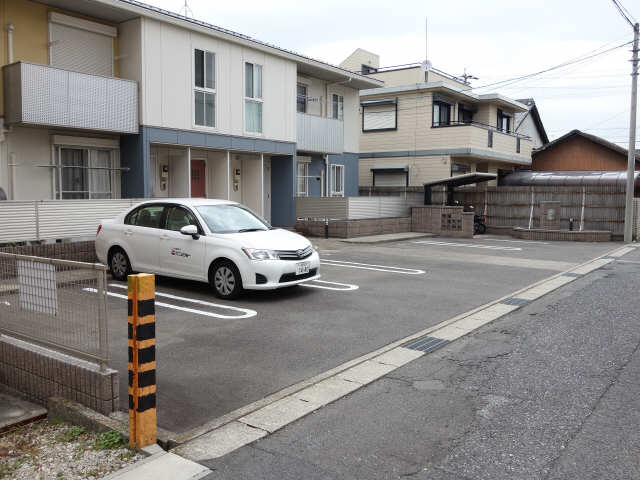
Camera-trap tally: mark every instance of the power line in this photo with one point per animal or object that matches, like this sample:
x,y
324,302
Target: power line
x,y
555,67
623,11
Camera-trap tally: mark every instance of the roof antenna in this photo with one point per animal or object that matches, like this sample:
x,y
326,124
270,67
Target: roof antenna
x,y
467,77
426,65
186,11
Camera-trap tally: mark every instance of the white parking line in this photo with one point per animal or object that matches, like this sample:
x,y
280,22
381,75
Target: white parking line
x,y
341,287
246,313
467,245
536,242
368,266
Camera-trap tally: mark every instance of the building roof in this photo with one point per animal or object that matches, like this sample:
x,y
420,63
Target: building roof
x,y
465,92
588,136
118,11
535,116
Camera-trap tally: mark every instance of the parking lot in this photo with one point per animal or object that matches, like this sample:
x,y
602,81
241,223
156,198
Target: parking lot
x,y
217,356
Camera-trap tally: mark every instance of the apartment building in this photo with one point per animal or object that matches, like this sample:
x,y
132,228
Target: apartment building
x,y
107,99
428,125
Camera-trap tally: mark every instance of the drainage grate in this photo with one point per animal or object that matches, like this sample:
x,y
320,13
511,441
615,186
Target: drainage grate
x,y
426,344
515,301
572,275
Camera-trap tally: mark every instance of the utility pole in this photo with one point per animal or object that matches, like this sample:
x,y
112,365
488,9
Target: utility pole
x,y
631,157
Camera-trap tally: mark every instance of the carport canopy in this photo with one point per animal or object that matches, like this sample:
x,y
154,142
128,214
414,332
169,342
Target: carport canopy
x,y
466,179
452,182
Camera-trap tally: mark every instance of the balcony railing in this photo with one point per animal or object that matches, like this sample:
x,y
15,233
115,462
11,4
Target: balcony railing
x,y
319,134
42,95
484,138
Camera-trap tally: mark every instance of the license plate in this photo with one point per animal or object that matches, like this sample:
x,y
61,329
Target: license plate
x,y
302,268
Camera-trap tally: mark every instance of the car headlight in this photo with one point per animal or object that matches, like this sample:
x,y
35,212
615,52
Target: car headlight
x,y
260,254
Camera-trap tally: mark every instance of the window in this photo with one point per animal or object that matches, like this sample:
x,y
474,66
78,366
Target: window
x,y
459,169
366,69
204,93
231,219
178,217
337,180
379,115
301,98
83,173
504,121
302,176
149,216
338,106
253,98
441,114
465,115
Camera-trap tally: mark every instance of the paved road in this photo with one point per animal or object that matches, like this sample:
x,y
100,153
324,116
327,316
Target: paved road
x,y
218,360
551,391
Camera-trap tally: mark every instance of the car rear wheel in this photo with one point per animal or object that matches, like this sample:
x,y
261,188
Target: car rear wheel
x,y
226,280
119,264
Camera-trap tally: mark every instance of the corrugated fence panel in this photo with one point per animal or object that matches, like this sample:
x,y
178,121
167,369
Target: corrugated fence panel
x,y
17,221
321,207
377,207
77,218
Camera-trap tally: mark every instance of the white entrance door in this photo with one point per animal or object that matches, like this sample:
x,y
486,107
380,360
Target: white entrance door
x,y
267,189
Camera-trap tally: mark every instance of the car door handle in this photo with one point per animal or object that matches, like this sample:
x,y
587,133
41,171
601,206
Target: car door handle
x,y
128,232
164,237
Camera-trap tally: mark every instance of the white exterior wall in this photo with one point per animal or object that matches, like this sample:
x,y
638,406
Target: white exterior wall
x,y
528,127
28,148
322,92
167,83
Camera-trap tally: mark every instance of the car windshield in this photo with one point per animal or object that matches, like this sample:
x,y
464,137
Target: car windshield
x,y
231,219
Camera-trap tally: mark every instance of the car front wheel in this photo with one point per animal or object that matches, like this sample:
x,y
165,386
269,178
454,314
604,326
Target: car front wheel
x,y
119,265
226,280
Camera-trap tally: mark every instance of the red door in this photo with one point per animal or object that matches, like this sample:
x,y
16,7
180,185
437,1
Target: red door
x,y
198,179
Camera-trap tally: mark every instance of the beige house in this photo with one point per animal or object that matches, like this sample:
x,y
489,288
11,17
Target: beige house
x,y
424,126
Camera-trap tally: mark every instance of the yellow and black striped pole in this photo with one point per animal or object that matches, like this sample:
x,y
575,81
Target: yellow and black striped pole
x,y
142,360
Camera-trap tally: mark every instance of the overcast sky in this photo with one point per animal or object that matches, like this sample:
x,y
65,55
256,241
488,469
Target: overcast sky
x,y
493,40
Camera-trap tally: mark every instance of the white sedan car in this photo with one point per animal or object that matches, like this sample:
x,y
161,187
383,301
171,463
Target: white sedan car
x,y
215,241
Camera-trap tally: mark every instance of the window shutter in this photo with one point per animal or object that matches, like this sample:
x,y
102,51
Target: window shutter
x,y
81,50
379,117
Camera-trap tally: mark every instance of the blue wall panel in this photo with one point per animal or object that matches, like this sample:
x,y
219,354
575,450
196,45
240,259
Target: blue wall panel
x,y
282,190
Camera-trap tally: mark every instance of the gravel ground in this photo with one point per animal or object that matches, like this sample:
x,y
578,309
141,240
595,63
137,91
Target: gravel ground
x,y
59,451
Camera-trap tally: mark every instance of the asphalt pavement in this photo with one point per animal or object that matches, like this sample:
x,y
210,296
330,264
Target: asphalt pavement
x,y
214,357
550,391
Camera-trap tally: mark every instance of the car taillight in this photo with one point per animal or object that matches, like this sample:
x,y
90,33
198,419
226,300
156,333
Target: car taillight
x,y
484,219
99,228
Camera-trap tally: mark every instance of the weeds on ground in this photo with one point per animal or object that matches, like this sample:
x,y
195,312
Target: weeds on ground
x,y
110,440
70,435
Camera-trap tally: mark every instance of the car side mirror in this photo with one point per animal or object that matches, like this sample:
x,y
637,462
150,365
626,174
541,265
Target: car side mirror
x,y
190,230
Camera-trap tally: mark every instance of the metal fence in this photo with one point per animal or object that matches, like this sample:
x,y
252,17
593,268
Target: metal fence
x,y
58,304
355,208
26,220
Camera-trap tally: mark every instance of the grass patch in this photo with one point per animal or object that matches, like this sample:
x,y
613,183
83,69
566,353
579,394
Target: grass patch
x,y
70,434
110,440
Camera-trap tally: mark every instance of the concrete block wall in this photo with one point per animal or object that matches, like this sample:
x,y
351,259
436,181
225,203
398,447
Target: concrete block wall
x,y
442,220
354,228
76,251
40,373
562,235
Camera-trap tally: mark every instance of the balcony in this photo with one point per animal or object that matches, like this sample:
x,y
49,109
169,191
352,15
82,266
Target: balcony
x,y
319,134
51,97
483,141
